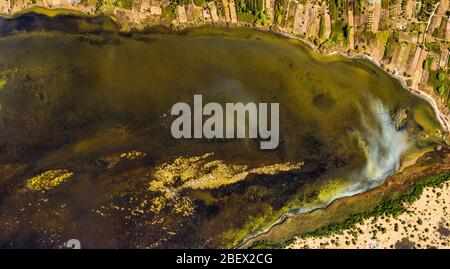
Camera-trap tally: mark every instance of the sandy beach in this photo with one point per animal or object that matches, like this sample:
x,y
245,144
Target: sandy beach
x,y
426,224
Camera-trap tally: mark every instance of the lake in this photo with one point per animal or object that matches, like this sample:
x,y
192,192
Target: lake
x,y
86,150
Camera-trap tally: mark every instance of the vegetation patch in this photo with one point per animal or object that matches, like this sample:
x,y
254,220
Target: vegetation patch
x,y
393,205
2,83
251,11
390,45
426,8
199,3
426,63
48,180
439,80
101,4
389,206
280,11
339,32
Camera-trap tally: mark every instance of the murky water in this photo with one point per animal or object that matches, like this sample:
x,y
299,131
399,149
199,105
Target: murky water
x,y
78,98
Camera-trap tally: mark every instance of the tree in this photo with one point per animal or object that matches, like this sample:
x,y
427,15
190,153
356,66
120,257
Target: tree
x,y
346,30
440,76
441,89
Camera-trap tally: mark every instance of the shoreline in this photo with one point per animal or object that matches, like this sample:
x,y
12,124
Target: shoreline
x,y
442,118
422,225
344,197
400,180
51,12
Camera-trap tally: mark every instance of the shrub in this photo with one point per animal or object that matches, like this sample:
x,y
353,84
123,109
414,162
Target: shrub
x,y
440,76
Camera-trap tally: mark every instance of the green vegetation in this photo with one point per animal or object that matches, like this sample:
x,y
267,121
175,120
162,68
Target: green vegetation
x,y
414,27
128,4
220,8
440,31
199,3
255,224
259,5
393,206
280,11
321,27
346,31
330,188
2,83
403,7
291,15
440,81
339,32
441,76
279,199
389,206
181,2
341,6
264,244
333,10
262,18
113,3
100,4
426,63
252,11
246,6
169,11
434,47
358,6
390,45
441,89
246,17
370,36
425,10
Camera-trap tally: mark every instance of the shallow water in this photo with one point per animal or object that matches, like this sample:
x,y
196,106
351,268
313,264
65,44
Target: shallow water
x,y
77,94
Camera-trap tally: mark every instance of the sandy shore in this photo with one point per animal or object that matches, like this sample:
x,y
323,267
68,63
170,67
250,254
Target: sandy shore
x,y
426,224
